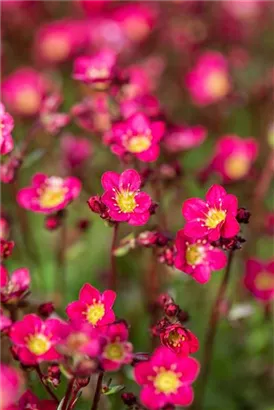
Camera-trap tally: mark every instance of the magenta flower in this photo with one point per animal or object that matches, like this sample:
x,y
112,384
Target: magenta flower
x,y
117,349
11,384
197,257
58,41
97,70
23,91
234,157
28,400
75,151
179,339
52,120
146,104
181,138
215,217
49,194
259,279
123,198
14,287
209,80
6,126
92,307
36,339
166,379
138,136
82,339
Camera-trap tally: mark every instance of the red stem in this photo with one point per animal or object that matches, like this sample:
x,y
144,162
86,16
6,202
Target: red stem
x,y
98,390
48,389
68,394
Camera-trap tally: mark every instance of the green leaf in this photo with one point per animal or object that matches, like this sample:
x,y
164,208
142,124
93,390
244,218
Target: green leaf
x,y
114,390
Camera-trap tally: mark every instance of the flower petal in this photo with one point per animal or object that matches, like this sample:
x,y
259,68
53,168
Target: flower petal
x,y
88,294
230,227
143,202
214,194
110,180
130,180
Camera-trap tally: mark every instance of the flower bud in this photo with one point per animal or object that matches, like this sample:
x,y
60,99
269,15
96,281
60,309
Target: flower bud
x,y
46,309
54,375
129,399
6,248
171,309
243,216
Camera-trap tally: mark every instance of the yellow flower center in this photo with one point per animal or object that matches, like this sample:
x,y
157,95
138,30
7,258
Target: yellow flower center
x,y
95,312
98,73
52,196
38,344
114,351
138,144
236,166
167,381
215,217
28,100
264,281
217,84
194,254
126,201
175,338
55,48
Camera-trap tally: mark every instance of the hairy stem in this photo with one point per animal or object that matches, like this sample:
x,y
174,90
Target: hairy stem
x,y
97,393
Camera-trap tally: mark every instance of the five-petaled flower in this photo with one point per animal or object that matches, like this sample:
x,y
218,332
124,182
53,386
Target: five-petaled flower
x,y
49,194
123,197
215,217
259,279
197,257
117,349
14,287
6,126
138,136
179,339
92,307
36,339
166,378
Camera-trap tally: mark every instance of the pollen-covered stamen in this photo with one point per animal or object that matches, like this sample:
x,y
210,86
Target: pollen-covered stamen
x,y
236,166
114,351
98,73
167,381
264,281
38,344
194,254
126,201
139,143
217,84
95,312
215,217
53,193
175,338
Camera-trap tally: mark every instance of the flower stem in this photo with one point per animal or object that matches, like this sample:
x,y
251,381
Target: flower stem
x,y
211,333
61,280
48,389
68,394
112,282
97,393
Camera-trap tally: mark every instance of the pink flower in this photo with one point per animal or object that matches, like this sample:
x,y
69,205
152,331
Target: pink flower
x,y
28,400
49,194
166,378
52,120
209,80
36,339
4,226
147,104
14,287
97,70
6,126
75,150
23,91
179,339
123,197
197,257
233,157
215,217
82,339
259,279
117,350
138,136
92,307
11,384
181,138
58,41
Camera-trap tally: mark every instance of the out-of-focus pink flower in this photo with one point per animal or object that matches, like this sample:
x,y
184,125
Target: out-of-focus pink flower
x,y
215,217
181,138
97,70
209,80
269,223
148,105
138,136
197,257
107,33
244,11
75,151
52,120
93,114
36,339
233,158
4,227
179,339
123,198
28,400
23,91
6,126
117,349
166,378
5,321
92,307
14,287
6,248
259,279
137,20
11,384
137,82
49,194
60,40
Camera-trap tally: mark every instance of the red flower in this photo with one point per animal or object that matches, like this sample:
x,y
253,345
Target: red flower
x,y
179,339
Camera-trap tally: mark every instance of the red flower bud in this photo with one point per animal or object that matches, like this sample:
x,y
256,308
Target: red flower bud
x,y
243,216
46,309
6,248
171,309
129,399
